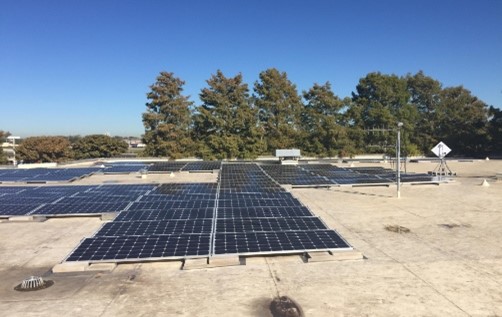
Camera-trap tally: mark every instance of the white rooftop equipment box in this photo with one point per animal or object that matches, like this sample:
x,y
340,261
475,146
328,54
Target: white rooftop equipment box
x,y
288,155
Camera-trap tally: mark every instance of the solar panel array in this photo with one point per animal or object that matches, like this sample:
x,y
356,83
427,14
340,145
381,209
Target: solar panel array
x,y
165,167
255,215
44,175
288,174
247,212
329,175
124,167
168,221
201,166
68,200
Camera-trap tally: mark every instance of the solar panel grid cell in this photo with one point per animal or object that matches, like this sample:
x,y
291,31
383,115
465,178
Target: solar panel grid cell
x,y
166,205
159,215
81,208
268,224
260,212
16,209
274,242
149,228
131,248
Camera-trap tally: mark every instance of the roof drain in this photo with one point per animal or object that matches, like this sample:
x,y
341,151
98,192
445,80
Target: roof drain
x,y
33,283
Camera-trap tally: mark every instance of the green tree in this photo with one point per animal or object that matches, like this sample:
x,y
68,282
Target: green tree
x,y
98,145
43,149
425,93
280,108
226,123
324,134
463,122
3,138
379,103
167,119
495,131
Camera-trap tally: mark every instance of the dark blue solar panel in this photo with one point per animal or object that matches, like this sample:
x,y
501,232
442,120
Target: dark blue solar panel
x,y
277,242
268,224
16,209
149,228
81,208
253,212
135,248
201,166
166,205
158,215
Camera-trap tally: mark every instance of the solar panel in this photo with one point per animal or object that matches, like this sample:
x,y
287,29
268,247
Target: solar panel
x,y
189,188
268,224
159,215
81,208
291,202
254,212
135,248
42,175
166,205
16,209
181,197
277,242
166,167
149,228
201,166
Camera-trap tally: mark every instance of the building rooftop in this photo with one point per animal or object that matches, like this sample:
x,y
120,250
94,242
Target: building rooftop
x,y
448,264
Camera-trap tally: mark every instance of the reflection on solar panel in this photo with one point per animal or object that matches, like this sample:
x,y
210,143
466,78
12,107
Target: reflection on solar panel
x,y
81,208
201,166
193,188
278,242
148,247
16,210
124,168
44,175
294,175
190,196
166,167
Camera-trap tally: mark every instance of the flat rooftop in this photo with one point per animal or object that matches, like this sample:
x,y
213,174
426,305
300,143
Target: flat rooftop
x,y
448,264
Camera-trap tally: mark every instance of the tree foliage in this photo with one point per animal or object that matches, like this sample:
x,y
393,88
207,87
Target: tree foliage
x,y
280,109
322,129
226,122
3,138
229,123
167,119
42,149
98,145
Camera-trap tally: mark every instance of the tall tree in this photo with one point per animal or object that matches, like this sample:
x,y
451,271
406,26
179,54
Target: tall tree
x,y
379,103
495,131
167,119
463,122
425,94
322,121
279,107
43,149
226,123
98,145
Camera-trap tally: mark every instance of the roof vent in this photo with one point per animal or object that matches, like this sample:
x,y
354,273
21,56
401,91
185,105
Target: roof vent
x,y
33,283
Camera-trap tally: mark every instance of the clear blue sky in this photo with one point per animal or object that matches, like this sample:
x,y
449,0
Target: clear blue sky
x,y
82,67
